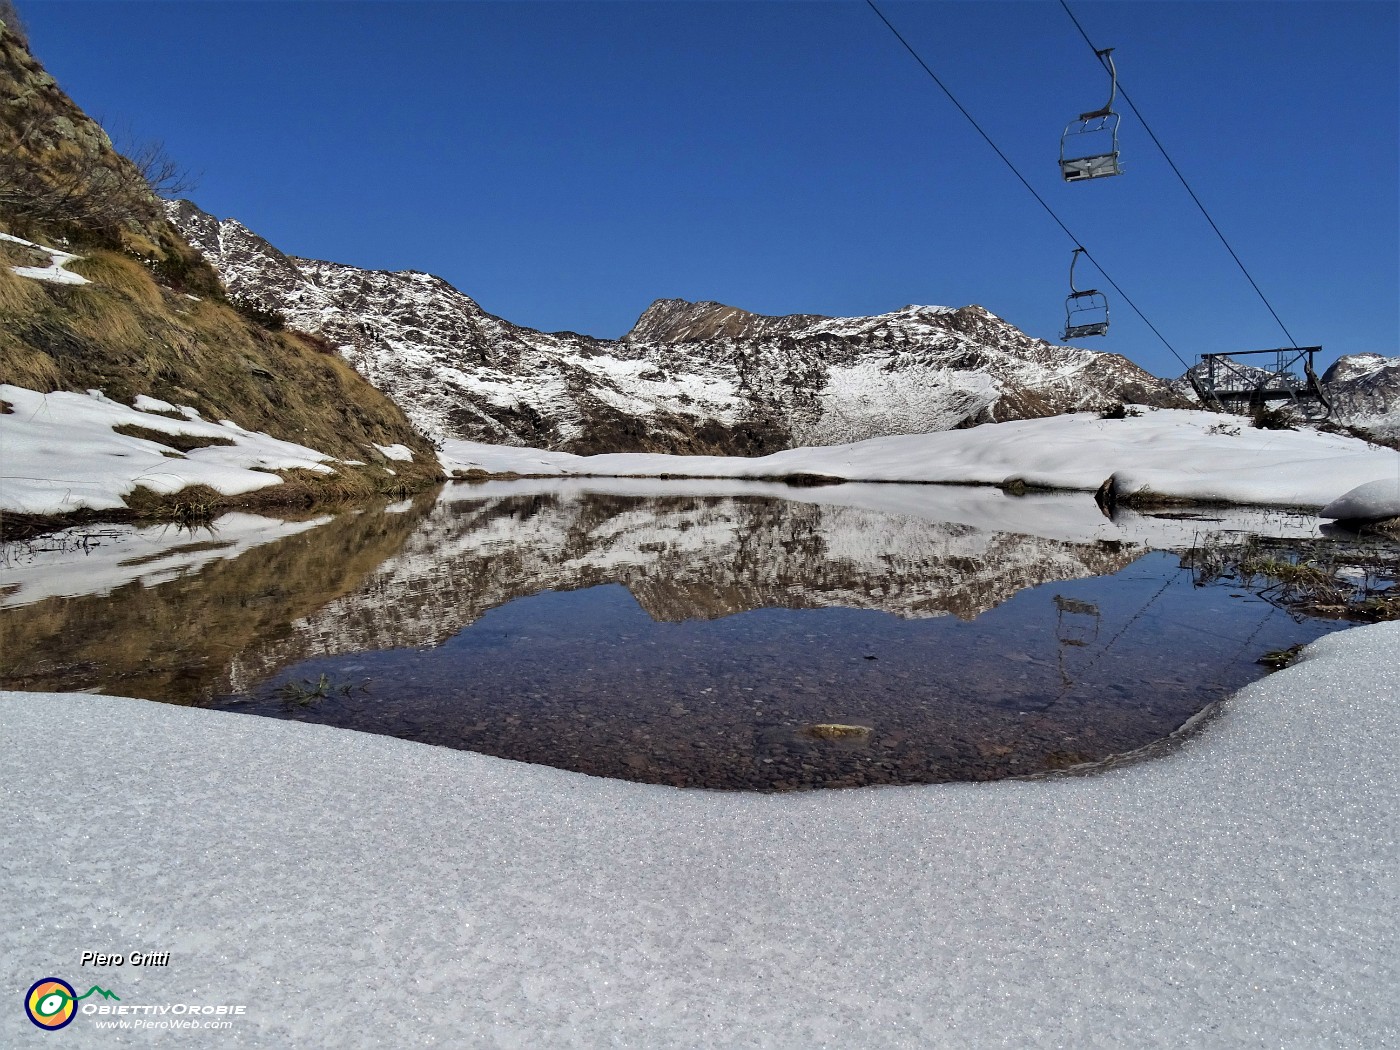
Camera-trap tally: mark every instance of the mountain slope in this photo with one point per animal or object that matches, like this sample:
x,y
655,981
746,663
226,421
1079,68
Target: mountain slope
x,y
1365,392
688,377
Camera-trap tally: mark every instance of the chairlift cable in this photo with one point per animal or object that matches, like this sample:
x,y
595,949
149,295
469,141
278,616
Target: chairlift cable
x,y
1015,171
1172,164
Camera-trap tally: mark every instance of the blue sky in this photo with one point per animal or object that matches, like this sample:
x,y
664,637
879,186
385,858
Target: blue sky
x,y
566,164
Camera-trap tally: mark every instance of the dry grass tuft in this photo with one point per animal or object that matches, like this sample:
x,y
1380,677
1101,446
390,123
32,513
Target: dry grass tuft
x,y
182,442
118,273
17,294
12,254
24,366
1334,579
192,505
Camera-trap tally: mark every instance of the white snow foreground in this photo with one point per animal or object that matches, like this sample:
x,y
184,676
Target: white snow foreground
x,y
1188,455
61,454
360,890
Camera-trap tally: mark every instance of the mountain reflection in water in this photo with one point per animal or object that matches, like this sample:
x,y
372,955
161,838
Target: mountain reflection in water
x,y
667,633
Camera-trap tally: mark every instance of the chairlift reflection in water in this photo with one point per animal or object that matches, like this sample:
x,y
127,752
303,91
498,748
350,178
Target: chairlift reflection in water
x,y
669,636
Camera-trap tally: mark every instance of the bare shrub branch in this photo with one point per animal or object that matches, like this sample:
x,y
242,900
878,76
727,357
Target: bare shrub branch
x,y
13,23
163,175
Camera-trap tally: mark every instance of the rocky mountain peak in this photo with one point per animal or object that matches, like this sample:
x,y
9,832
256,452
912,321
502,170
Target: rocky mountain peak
x,y
1354,367
681,321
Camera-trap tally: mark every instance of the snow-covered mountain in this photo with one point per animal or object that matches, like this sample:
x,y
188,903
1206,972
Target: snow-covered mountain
x,y
1365,392
689,377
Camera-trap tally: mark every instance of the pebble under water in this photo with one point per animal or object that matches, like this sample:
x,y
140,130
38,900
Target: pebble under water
x,y
1058,676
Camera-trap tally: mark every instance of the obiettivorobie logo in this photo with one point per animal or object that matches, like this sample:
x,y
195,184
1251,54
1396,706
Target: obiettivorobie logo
x,y
52,1003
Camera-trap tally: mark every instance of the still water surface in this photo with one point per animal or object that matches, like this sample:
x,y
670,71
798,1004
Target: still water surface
x,y
679,633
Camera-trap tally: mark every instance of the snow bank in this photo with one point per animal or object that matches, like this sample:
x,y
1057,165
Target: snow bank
x,y
396,452
61,454
1190,455
352,888
1375,499
55,273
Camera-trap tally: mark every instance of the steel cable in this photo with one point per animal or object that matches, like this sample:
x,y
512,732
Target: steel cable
x,y
1031,189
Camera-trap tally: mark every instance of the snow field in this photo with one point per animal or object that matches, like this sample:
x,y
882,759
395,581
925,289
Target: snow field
x,y
55,273
1175,454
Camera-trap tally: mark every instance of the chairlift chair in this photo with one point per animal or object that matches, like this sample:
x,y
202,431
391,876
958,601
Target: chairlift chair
x,y
1086,312
1089,145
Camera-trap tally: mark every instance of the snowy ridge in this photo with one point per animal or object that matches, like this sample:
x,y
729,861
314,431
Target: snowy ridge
x,y
688,378
1365,392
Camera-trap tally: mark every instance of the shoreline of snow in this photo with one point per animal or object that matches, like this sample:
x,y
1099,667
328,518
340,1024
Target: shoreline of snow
x,y
62,456
1199,457
1237,890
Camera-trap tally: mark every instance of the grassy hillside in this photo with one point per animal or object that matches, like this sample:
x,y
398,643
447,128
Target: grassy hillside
x,y
154,319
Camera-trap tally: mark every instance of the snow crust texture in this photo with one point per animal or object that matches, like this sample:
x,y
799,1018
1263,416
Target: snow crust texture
x,y
688,378
1238,891
1371,501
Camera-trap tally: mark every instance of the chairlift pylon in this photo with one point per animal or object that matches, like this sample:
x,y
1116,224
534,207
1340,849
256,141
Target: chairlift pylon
x,y
1086,312
1089,145
1225,384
